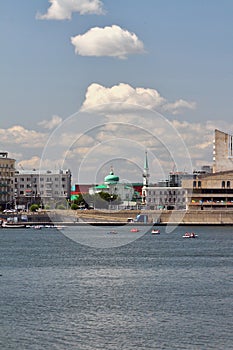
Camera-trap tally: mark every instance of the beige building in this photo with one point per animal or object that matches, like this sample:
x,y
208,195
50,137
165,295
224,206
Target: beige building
x,y
7,172
213,190
209,191
222,151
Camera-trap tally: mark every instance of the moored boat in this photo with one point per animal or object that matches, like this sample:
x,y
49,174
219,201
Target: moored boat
x,y
8,225
190,235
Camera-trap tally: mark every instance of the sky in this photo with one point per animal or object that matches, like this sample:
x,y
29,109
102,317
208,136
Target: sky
x,y
94,84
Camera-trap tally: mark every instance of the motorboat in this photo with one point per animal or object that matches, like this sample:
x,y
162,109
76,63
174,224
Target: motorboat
x,y
155,232
134,230
190,235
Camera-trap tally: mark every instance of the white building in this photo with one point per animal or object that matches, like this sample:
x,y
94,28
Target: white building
x,y
42,186
167,195
168,198
111,185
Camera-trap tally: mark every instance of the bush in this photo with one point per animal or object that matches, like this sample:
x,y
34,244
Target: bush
x,y
74,206
34,207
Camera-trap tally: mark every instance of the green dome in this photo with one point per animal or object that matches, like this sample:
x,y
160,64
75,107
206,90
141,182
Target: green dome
x,y
111,178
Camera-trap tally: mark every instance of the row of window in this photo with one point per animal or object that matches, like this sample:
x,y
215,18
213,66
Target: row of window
x,y
21,193
165,193
41,186
42,179
6,165
225,184
167,200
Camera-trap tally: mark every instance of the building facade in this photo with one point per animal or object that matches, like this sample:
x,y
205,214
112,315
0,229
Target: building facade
x,y
7,172
213,190
222,151
42,187
168,198
210,191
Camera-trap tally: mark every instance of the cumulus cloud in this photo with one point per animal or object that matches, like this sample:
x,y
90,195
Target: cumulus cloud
x,y
51,124
32,163
22,137
63,9
124,96
108,41
177,106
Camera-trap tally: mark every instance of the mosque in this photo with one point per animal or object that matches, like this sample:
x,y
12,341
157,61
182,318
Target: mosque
x,y
113,186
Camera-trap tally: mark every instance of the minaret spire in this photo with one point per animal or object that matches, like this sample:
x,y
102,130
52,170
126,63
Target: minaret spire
x,y
146,171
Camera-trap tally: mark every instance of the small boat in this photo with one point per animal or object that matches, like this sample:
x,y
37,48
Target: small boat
x,y
134,230
8,225
155,232
190,235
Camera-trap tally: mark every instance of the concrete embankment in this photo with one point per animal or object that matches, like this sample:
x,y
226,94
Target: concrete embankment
x,y
194,217
164,217
160,217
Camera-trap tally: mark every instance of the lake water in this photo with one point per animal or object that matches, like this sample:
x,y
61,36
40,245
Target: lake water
x,y
156,292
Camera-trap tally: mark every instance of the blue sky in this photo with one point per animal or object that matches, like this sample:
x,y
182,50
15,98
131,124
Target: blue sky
x,y
181,50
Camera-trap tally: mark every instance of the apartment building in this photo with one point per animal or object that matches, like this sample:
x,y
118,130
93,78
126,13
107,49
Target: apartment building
x,y
7,171
43,187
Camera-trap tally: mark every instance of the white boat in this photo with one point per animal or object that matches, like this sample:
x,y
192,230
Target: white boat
x,y
8,225
155,232
190,235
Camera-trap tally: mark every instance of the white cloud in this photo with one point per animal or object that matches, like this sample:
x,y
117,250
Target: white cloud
x,y
63,9
20,136
177,106
32,163
51,124
125,97
108,41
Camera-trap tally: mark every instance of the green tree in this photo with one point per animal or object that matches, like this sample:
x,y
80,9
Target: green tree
x,y
74,206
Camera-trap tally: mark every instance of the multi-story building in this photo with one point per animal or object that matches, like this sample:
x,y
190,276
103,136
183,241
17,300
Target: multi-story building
x,y
222,151
168,198
210,191
213,190
42,187
7,171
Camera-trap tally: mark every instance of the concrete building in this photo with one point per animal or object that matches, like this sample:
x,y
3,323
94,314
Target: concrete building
x,y
42,187
7,172
209,191
213,190
222,152
168,198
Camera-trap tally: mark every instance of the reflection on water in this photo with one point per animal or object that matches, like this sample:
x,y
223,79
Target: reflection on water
x,y
157,292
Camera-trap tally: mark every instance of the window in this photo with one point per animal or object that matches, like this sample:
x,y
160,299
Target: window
x,y
228,184
223,184
230,146
199,184
194,183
